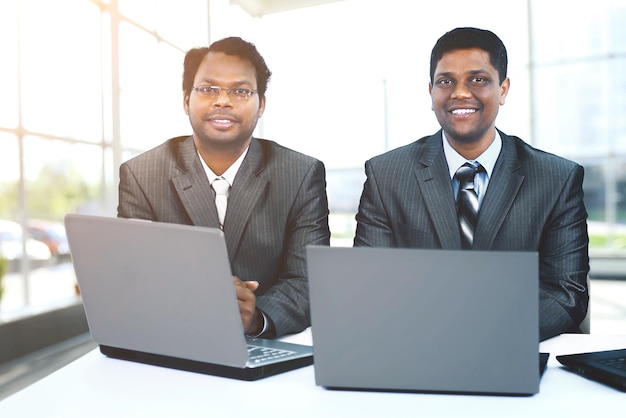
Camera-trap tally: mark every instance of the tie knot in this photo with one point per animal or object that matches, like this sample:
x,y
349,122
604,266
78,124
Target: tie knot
x,y
467,172
221,186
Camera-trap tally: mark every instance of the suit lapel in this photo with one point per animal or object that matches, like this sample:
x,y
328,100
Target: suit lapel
x,y
193,187
504,185
247,189
433,179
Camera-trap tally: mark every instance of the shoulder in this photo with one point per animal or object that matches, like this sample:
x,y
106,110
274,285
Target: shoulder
x,y
168,150
538,159
409,153
286,169
276,154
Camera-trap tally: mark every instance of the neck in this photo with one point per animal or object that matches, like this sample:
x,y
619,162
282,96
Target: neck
x,y
219,159
470,150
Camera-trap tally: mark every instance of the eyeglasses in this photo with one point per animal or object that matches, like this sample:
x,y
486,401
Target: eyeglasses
x,y
215,91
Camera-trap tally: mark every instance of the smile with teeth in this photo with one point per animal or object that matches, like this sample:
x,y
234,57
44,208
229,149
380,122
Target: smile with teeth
x,y
222,123
463,111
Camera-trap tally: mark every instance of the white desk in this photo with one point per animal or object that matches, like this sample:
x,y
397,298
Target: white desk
x,y
95,386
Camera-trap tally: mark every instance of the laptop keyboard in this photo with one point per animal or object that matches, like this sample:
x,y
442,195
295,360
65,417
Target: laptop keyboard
x,y
263,354
616,362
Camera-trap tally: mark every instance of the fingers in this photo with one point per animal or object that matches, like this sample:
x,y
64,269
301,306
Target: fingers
x,y
244,289
247,304
252,285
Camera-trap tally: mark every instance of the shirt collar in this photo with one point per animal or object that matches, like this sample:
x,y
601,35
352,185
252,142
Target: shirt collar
x,y
487,159
230,173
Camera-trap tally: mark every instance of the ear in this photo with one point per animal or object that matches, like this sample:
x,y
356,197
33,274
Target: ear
x,y
186,103
504,90
261,107
430,93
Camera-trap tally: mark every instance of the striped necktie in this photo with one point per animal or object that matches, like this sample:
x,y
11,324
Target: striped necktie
x,y
467,202
221,187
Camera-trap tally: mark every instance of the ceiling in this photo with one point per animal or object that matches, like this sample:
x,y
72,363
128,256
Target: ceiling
x,y
259,8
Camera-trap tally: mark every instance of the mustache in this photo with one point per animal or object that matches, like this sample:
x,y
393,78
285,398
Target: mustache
x,y
222,113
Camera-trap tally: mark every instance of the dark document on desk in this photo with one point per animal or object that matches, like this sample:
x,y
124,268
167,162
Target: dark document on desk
x,y
163,294
425,320
608,367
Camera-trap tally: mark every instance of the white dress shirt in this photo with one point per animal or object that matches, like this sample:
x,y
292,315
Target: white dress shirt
x,y
487,159
229,176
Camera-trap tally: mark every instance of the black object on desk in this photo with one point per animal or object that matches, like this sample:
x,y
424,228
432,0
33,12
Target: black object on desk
x,y
608,367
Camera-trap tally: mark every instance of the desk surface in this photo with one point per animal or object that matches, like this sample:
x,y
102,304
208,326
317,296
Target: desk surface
x,y
95,386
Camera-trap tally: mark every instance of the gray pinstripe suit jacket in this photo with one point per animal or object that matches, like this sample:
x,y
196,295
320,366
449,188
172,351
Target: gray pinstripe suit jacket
x,y
534,202
277,206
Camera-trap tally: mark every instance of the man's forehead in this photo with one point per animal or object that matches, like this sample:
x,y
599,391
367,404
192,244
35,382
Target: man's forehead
x,y
217,65
467,60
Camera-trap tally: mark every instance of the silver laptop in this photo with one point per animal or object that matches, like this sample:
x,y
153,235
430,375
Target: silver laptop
x,y
425,320
163,294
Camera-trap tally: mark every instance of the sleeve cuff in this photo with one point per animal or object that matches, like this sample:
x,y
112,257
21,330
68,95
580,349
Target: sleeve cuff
x,y
266,325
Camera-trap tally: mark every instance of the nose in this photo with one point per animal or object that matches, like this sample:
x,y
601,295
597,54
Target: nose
x,y
223,99
461,90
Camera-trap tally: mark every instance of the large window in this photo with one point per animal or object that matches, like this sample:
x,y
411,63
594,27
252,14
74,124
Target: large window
x,y
86,84
578,101
351,81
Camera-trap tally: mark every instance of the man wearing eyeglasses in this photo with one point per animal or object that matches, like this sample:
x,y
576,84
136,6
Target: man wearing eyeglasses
x,y
270,201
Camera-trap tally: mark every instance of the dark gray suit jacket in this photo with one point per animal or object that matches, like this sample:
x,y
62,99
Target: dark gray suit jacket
x,y
534,202
277,206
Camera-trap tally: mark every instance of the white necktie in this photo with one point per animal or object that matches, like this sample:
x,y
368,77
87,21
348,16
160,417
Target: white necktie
x,y
221,187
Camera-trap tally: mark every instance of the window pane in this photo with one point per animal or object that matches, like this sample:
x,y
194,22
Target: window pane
x,y
605,199
583,33
139,94
139,11
595,189
61,70
579,97
620,198
617,94
191,15
11,247
60,77
61,177
567,124
171,120
617,15
8,73
168,17
151,99
9,176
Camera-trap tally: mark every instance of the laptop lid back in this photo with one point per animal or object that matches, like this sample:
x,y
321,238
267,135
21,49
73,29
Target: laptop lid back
x,y
425,320
160,288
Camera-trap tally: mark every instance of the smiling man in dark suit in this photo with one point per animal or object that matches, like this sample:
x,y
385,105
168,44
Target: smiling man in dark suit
x,y
275,198
521,199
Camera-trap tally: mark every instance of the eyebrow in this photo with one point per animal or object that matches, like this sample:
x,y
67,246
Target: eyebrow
x,y
471,72
235,83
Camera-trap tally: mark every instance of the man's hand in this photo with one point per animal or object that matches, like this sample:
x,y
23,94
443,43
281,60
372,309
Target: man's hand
x,y
250,316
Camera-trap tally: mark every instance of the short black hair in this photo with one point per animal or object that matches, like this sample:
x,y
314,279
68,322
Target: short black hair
x,y
466,38
229,46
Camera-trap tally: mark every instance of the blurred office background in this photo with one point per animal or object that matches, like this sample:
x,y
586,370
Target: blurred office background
x,y
87,84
